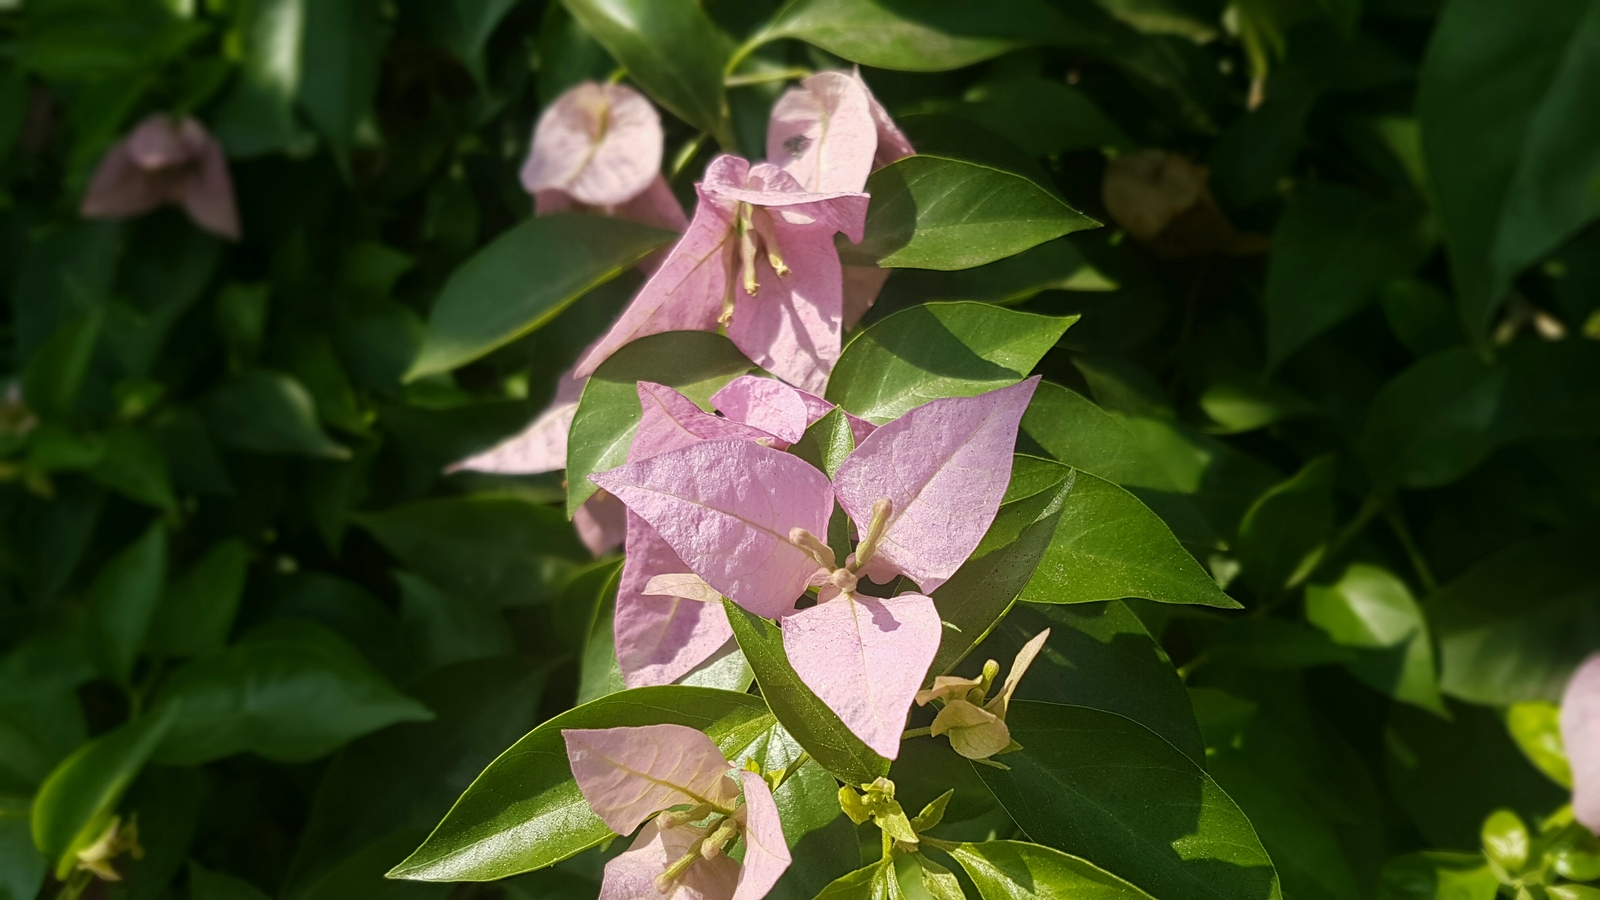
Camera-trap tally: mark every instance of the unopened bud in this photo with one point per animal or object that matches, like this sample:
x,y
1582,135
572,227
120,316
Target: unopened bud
x,y
881,510
812,545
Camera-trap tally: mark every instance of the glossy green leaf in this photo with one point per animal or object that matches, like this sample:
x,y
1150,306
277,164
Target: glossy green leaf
x,y
1438,875
808,719
599,672
35,734
269,412
446,629
1434,769
132,464
491,301
1103,787
499,550
366,623
525,812
123,601
1536,727
1514,626
671,49
918,37
1510,150
1284,533
1068,428
934,212
939,350
76,802
874,882
1099,656
198,609
340,55
1332,250
22,867
482,707
464,27
695,363
168,802
827,442
1506,840
1013,870
1371,611
55,375
290,692
1107,545
257,116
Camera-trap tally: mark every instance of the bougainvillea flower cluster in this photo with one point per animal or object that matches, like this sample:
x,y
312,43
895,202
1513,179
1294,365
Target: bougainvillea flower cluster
x,y
165,160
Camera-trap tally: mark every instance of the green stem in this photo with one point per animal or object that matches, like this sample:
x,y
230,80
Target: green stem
x,y
681,161
75,885
1424,573
766,77
915,732
792,768
935,843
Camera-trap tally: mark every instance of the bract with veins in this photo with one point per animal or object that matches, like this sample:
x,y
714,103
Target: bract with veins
x,y
599,144
165,160
1580,734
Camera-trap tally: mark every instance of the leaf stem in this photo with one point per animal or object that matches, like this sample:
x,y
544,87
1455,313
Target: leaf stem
x,y
1424,573
916,732
792,768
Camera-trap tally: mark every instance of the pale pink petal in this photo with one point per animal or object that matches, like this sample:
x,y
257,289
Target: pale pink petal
x,y
656,206
686,292
553,200
660,639
944,467
793,326
865,658
822,132
727,508
600,143
631,875
766,853
685,585
162,142
540,447
121,189
766,185
629,774
207,189
669,420
862,284
602,523
892,143
770,405
1580,734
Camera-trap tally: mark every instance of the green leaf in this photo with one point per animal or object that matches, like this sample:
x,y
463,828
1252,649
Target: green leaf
x,y
918,37
1372,612
525,811
1056,265
1434,769
1506,840
1108,546
269,412
875,882
1068,428
930,211
168,803
498,550
348,610
939,350
482,707
1502,100
342,47
1013,870
35,734
599,672
205,884
257,116
1331,251
290,691
1099,656
695,363
76,802
827,442
490,301
1514,626
1536,727
1438,875
22,867
123,601
1041,116
198,610
671,49
133,465
1096,785
55,375
464,27
813,724
1284,533
446,629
